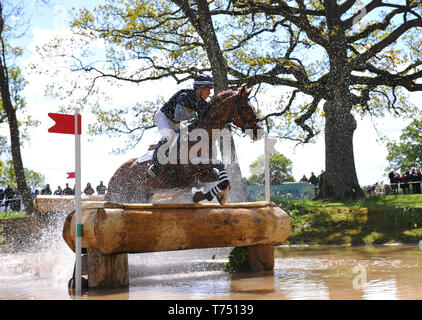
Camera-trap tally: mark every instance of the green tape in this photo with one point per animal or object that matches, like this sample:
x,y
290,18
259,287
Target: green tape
x,y
79,230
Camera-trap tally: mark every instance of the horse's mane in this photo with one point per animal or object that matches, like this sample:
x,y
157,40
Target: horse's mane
x,y
221,96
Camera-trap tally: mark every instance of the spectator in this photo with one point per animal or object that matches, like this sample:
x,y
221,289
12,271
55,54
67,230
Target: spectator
x,y
46,190
418,181
67,191
391,176
15,202
101,189
275,181
59,191
304,179
321,180
395,183
1,196
407,179
31,193
88,189
9,194
404,183
314,180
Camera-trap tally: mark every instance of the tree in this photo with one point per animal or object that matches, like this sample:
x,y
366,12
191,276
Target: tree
x,y
11,85
280,170
354,66
173,39
7,176
407,152
340,59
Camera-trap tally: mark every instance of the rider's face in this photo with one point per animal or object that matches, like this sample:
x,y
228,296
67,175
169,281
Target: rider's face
x,y
204,93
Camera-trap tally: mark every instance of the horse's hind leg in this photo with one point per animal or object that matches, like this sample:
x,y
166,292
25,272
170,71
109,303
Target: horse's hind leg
x,y
220,190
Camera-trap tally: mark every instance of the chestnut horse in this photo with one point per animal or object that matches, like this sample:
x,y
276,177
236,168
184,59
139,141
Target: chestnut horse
x,y
130,183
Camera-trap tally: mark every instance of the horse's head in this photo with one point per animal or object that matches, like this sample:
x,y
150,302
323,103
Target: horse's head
x,y
244,115
233,106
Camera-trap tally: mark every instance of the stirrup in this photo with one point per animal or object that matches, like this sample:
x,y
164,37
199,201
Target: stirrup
x,y
222,196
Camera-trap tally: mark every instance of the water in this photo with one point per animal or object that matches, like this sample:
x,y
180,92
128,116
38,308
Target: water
x,y
41,272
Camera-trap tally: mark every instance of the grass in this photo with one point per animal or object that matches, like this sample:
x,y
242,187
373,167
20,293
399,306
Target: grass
x,y
13,214
373,220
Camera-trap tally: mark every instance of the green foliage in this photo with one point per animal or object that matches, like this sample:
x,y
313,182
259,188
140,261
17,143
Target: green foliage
x,y
7,176
407,152
12,215
280,170
373,220
238,258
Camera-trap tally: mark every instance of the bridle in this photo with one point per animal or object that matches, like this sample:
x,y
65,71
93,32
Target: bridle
x,y
240,108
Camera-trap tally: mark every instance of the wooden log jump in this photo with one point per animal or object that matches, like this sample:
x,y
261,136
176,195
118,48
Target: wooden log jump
x,y
112,230
51,203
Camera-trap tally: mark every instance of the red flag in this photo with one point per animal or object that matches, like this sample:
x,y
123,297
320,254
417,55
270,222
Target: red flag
x,y
70,175
65,123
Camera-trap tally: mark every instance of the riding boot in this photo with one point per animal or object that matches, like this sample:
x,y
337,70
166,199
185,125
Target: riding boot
x,y
152,171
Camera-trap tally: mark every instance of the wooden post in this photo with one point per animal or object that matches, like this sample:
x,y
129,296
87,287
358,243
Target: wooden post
x,y
107,271
260,257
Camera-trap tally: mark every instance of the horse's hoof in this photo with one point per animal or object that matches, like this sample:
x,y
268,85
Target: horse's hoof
x,y
222,196
198,196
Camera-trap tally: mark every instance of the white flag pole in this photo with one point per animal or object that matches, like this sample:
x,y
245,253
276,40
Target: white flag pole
x,y
267,168
78,208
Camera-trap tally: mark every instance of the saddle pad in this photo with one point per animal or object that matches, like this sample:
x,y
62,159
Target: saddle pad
x,y
146,157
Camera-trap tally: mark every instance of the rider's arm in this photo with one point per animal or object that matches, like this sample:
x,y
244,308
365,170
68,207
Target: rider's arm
x,y
182,112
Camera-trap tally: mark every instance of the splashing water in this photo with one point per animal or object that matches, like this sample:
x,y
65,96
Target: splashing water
x,y
39,267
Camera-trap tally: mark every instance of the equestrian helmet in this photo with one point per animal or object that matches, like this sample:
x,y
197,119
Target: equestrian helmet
x,y
203,81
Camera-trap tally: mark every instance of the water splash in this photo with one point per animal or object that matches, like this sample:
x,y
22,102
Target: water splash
x,y
39,266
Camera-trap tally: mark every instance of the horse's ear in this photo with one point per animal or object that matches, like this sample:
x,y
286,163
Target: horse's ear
x,y
243,89
248,92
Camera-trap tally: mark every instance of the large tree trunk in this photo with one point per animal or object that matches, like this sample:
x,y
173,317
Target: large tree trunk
x,y
340,181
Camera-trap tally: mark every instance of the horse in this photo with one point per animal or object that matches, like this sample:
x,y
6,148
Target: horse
x,y
131,184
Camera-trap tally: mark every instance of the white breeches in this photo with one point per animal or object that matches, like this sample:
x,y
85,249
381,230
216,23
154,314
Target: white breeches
x,y
166,127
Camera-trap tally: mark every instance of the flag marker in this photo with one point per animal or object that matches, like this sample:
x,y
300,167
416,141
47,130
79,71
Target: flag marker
x,y
72,124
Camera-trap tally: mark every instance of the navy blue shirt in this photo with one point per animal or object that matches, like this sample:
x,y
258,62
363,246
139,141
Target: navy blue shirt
x,y
183,105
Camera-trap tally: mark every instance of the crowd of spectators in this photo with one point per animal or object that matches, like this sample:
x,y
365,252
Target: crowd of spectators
x,y
407,182
10,197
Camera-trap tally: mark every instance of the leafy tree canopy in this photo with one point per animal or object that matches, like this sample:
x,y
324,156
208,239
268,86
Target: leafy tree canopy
x,y
280,170
407,152
7,176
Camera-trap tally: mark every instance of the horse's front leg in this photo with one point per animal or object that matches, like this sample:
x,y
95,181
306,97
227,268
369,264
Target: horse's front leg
x,y
220,190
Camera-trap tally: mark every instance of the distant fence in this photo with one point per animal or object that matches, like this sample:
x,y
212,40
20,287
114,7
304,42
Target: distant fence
x,y
285,190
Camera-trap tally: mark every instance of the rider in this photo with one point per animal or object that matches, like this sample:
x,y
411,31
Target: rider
x,y
186,104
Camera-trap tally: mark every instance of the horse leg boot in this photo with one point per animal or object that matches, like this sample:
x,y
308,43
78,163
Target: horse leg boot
x,y
220,190
152,171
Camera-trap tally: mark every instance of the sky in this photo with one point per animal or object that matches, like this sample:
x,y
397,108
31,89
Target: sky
x,y
53,154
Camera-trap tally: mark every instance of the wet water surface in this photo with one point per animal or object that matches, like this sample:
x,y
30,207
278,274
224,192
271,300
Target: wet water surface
x,y
321,272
